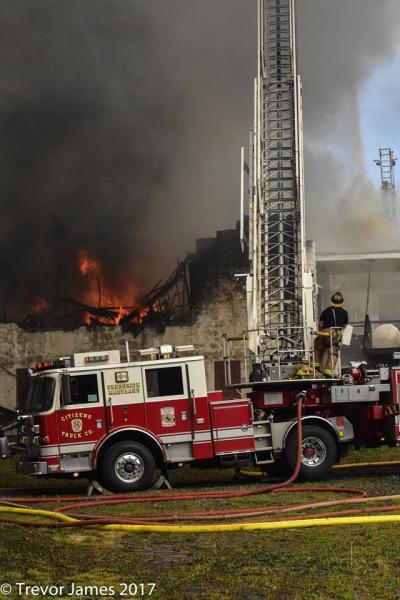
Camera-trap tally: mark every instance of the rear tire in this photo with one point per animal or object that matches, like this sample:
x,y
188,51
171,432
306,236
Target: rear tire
x,y
319,452
127,467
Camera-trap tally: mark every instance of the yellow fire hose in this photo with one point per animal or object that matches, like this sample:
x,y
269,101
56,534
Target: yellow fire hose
x,y
322,522
342,467
386,463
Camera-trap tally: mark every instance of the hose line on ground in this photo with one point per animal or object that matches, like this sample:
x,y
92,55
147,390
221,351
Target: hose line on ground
x,y
162,523
340,467
231,527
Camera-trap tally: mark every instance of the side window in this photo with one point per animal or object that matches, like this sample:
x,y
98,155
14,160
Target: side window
x,y
164,382
83,389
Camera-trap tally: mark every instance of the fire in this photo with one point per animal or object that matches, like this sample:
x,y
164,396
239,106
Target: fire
x,y
87,264
40,305
155,307
98,292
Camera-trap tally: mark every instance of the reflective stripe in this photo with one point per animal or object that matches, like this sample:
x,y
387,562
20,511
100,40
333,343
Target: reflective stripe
x,y
77,447
232,433
177,438
174,438
73,447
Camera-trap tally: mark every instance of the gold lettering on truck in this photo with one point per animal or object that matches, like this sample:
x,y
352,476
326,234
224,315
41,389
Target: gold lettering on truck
x,y
115,389
78,422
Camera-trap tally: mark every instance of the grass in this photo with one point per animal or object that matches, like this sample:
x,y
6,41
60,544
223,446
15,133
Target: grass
x,y
311,564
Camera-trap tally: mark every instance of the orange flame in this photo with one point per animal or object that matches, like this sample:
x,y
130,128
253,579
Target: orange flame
x,y
155,307
87,264
91,269
40,305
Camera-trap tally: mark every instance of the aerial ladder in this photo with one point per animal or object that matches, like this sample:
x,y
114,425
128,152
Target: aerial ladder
x,y
280,288
387,162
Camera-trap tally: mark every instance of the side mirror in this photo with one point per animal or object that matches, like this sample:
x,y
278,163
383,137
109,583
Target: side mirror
x,y
65,390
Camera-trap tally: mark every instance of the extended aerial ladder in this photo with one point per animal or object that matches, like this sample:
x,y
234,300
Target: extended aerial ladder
x,y
280,299
387,162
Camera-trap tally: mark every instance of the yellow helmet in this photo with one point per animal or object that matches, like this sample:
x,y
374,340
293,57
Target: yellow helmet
x,y
337,299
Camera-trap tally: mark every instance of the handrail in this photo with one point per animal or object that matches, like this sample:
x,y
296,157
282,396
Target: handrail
x,y
273,348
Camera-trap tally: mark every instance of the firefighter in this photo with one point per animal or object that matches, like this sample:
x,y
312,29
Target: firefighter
x,y
333,316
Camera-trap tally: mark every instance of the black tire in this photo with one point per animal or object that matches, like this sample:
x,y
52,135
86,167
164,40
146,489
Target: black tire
x,y
127,467
324,448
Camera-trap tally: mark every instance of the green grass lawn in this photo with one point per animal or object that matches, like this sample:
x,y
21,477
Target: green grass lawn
x,y
353,562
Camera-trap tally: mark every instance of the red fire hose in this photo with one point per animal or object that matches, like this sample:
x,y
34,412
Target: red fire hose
x,y
90,520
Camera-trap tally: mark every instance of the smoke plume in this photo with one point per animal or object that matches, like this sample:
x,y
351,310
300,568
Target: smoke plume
x,y
340,45
121,123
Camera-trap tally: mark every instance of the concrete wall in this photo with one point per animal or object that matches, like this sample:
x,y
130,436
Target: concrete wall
x,y
223,312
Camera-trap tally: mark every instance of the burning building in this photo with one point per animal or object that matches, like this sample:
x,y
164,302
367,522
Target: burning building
x,y
199,302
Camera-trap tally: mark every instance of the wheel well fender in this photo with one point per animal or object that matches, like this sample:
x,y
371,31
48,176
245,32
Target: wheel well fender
x,y
318,422
131,435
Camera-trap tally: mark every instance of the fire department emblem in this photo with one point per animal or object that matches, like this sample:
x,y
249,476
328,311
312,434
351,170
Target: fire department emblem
x,y
76,425
168,416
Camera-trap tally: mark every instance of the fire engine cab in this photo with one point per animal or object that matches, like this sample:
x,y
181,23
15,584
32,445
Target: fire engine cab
x,y
93,413
118,421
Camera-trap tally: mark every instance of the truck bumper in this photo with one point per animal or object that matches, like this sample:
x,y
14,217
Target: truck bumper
x,y
30,467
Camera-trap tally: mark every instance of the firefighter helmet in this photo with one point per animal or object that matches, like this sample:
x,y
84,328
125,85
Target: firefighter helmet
x,y
337,299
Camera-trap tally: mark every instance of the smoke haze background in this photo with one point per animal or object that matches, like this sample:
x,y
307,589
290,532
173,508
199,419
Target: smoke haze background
x,y
341,44
121,123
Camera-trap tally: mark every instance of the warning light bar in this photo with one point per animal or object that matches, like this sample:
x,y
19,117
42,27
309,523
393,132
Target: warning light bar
x,y
96,359
52,364
81,359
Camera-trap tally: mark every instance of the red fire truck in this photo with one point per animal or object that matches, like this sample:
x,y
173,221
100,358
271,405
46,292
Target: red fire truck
x,y
118,422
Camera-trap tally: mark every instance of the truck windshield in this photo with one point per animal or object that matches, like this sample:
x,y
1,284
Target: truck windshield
x,y
40,395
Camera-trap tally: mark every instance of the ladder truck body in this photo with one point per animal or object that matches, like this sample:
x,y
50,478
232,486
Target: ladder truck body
x,y
94,415
281,290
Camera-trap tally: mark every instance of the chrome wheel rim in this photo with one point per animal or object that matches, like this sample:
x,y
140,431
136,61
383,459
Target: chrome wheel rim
x,y
129,467
313,452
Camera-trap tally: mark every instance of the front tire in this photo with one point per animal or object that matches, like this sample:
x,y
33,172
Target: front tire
x,y
127,467
319,452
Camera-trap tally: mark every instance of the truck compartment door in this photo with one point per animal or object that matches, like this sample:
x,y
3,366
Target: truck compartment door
x,y
168,409
200,416
232,426
81,420
123,389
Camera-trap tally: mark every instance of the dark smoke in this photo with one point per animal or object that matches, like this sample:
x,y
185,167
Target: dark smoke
x,y
120,126
121,122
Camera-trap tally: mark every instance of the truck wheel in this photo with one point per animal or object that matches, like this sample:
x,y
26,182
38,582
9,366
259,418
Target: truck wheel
x,y
319,452
127,467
